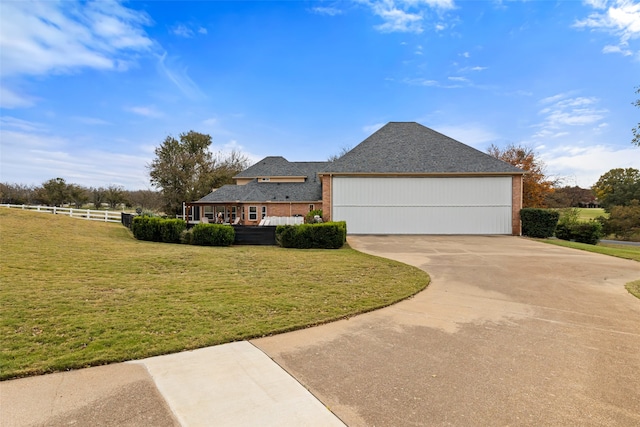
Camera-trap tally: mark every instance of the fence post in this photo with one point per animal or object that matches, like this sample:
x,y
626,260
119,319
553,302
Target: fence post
x,y
106,216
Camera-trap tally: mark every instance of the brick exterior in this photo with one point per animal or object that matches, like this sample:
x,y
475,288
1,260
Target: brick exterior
x,y
326,197
516,205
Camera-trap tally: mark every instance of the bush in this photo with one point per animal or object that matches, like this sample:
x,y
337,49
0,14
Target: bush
x,y
583,232
540,223
623,222
328,235
147,228
155,229
171,229
186,237
213,235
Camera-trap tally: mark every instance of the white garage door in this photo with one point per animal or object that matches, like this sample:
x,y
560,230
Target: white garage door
x,y
423,205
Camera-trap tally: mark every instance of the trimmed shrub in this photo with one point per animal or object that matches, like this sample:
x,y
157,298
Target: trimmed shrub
x,y
147,228
540,223
583,232
156,229
212,235
171,229
328,235
186,237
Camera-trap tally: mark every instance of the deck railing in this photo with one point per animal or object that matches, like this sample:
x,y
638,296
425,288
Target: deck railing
x,y
93,215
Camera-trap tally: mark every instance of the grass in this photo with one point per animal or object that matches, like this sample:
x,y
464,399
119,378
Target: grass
x,y
620,251
78,293
634,288
587,214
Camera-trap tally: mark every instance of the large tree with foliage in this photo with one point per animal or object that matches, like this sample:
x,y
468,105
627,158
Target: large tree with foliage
x,y
185,170
55,192
618,187
535,184
636,130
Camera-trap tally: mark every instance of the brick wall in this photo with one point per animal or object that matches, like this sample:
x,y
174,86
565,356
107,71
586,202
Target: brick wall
x,y
326,197
516,205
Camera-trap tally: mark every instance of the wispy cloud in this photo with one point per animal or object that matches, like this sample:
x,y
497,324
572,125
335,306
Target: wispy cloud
x,y
31,155
329,11
406,16
178,75
562,110
187,30
91,121
149,111
38,38
620,18
10,99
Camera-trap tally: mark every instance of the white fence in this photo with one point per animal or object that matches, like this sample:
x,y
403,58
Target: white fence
x,y
282,220
104,216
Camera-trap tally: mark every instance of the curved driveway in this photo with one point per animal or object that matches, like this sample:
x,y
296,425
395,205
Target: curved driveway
x,y
509,332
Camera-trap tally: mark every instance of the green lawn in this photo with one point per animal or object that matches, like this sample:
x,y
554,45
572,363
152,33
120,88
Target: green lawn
x,y
620,251
587,214
77,293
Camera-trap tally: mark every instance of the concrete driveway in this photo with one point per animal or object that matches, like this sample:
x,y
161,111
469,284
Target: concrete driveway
x,y
510,332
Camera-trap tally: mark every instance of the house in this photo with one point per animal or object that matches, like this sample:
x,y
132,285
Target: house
x,y
403,179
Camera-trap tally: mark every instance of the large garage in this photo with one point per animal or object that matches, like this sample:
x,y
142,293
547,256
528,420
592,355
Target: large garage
x,y
424,205
409,179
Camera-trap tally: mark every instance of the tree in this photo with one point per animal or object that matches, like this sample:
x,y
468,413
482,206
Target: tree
x,y
78,195
566,197
145,199
535,184
54,192
185,169
618,187
636,130
114,195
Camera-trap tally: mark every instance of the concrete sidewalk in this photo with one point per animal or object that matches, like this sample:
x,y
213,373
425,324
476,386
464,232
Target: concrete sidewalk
x,y
233,384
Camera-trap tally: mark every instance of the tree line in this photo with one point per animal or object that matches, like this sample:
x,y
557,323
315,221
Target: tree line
x,y
57,192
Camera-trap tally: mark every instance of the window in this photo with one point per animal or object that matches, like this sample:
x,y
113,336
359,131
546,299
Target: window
x,y
310,208
208,212
253,213
242,213
264,212
233,213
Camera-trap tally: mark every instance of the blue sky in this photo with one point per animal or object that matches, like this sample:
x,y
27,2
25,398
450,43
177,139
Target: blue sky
x,y
89,89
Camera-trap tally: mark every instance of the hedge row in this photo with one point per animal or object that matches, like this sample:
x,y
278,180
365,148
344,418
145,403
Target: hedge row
x,y
583,232
210,235
328,235
155,229
539,223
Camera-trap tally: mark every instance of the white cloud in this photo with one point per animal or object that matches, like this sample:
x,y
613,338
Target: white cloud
x,y
38,38
406,16
329,11
90,120
620,18
150,112
32,158
9,99
8,122
202,30
182,31
561,111
179,76
583,165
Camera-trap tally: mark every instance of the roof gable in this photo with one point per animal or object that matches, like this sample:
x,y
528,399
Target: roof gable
x,y
409,147
272,166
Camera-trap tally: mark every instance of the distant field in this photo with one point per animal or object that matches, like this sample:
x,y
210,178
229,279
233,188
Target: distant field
x,y
77,293
587,214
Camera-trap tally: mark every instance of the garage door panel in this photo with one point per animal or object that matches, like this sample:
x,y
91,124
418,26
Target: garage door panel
x,y
426,220
423,205
422,191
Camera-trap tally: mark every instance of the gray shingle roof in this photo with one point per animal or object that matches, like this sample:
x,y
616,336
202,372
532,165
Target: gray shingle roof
x,y
255,191
409,147
272,166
